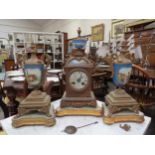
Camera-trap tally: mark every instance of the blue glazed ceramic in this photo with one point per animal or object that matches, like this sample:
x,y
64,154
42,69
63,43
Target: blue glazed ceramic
x,y
34,74
80,44
122,73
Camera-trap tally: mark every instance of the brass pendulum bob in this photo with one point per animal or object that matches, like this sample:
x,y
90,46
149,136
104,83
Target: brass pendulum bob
x,y
72,129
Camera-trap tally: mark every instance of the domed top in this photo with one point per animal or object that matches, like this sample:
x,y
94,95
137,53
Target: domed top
x,y
77,62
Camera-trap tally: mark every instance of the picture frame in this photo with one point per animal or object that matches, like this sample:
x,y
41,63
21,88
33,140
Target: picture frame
x,y
117,28
97,32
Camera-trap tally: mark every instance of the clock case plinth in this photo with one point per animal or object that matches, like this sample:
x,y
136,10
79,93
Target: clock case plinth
x,y
74,106
78,102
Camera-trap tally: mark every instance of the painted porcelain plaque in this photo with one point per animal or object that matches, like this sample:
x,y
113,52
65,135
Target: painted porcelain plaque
x,y
122,73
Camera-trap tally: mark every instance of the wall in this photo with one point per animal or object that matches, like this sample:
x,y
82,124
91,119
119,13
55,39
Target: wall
x,y
66,25
71,25
10,25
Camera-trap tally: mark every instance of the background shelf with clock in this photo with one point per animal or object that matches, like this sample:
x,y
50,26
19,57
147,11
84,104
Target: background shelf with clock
x,y
49,45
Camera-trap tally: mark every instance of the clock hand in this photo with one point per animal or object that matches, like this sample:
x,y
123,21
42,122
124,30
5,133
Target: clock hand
x,y
81,76
79,79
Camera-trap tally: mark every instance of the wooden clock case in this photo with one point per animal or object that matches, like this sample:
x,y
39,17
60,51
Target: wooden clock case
x,y
36,108
74,101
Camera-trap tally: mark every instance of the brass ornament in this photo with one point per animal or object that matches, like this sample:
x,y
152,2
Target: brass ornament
x,y
125,127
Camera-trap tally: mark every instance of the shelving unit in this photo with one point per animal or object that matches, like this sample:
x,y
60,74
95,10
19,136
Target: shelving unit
x,y
43,44
145,38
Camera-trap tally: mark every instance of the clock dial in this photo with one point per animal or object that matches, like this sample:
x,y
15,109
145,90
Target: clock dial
x,y
78,80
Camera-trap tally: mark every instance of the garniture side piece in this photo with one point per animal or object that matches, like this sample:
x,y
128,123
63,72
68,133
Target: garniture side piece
x,y
119,100
37,101
121,107
35,109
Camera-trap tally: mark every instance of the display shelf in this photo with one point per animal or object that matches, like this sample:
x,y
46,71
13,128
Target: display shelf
x,y
145,38
51,44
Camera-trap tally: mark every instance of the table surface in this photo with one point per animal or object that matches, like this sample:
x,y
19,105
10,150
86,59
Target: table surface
x,y
62,122
54,71
20,82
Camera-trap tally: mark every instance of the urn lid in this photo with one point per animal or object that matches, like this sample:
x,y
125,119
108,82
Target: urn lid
x,y
120,59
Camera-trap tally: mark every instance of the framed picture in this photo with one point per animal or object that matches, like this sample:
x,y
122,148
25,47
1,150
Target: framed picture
x,y
34,74
98,32
117,28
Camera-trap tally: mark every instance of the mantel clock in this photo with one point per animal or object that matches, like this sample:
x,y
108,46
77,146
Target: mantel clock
x,y
78,99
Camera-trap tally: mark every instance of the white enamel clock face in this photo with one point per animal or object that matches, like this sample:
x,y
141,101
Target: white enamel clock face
x,y
78,80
